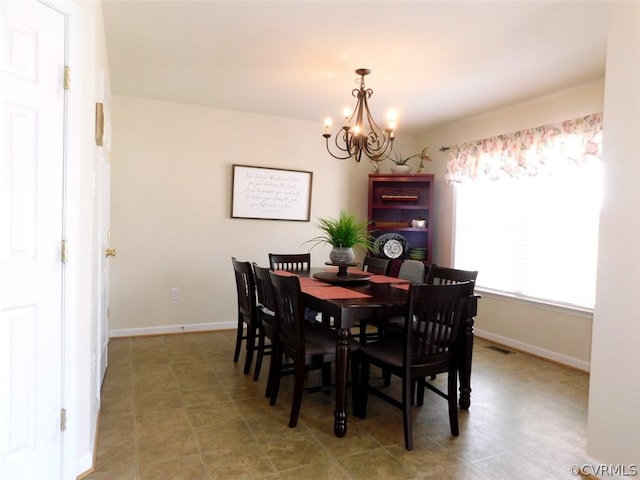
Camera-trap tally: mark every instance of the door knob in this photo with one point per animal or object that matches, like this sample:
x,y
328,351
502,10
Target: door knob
x,y
111,252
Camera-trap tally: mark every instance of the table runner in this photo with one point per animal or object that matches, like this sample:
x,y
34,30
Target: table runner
x,y
385,279
332,292
402,286
312,282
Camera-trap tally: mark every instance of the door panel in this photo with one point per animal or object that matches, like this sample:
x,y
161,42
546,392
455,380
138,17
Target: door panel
x,y
103,337
105,231
32,54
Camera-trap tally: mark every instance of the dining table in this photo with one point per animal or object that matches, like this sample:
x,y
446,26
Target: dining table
x,y
348,296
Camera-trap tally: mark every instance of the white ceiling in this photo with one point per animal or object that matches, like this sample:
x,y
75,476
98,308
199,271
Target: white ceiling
x,y
431,61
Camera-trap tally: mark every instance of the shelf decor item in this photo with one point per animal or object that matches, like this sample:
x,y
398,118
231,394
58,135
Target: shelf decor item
x,y
400,165
392,245
345,234
399,195
419,222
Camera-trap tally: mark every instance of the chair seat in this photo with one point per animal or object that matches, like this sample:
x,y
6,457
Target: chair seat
x,y
322,341
319,341
387,351
390,323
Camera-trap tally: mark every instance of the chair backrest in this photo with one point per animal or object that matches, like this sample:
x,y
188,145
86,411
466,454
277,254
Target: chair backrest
x,y
437,313
376,265
289,305
412,270
447,276
292,262
245,287
265,295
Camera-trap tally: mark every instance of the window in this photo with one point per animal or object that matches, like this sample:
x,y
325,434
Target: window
x,y
534,236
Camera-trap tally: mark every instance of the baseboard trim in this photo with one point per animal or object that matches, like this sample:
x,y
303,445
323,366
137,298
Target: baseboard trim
x,y
534,350
195,327
83,467
86,464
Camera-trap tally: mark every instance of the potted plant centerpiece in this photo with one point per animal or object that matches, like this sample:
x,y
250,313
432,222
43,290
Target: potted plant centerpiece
x,y
345,234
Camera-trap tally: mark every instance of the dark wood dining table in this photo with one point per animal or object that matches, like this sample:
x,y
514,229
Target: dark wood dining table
x,y
343,303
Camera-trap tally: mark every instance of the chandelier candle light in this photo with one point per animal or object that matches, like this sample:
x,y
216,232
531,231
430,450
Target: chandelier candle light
x,y
356,138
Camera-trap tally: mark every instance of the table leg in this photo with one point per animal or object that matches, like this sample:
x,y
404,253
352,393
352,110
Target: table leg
x,y
342,367
464,366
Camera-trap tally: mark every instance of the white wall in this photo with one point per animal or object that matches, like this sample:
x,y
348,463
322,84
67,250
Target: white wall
x,y
171,191
614,393
554,333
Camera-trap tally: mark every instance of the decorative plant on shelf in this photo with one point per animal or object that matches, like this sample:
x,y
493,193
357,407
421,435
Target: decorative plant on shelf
x,y
401,163
398,160
344,234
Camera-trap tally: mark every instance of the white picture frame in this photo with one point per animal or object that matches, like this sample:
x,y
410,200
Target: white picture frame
x,y
271,193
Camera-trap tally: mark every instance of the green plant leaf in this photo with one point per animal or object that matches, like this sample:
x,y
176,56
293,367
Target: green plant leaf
x,y
346,231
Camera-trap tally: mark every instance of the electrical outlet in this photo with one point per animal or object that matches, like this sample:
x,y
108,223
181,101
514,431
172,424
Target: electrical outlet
x,y
174,294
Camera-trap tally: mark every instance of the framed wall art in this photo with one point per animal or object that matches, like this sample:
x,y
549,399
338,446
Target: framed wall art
x,y
271,193
99,124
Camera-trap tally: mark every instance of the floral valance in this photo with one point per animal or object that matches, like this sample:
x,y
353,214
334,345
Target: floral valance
x,y
527,152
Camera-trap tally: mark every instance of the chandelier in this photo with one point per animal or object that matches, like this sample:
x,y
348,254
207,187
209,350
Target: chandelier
x,y
360,133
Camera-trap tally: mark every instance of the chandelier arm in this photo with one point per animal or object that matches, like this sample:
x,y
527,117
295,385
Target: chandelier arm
x,y
346,135
379,141
326,136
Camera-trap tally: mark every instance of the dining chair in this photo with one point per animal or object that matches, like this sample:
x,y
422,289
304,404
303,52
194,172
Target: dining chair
x,y
247,316
292,262
411,270
448,276
438,275
309,346
268,329
266,312
376,265
435,275
428,345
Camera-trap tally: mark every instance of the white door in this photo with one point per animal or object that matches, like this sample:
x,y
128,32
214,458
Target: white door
x,y
105,229
32,100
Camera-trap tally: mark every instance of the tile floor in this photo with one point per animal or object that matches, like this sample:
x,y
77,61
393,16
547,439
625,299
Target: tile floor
x,y
177,407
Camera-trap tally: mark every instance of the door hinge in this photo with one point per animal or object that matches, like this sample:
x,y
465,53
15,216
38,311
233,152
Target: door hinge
x,y
67,77
64,252
63,419
108,312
